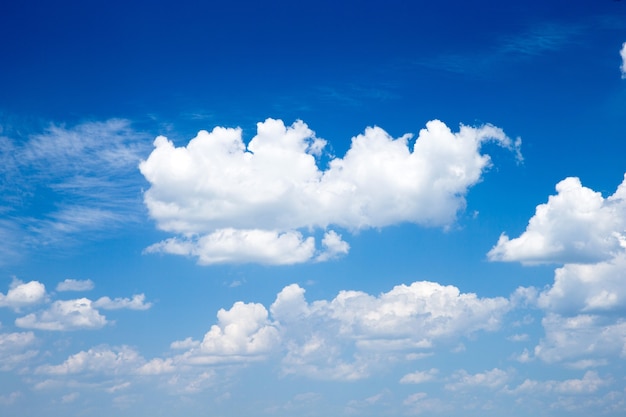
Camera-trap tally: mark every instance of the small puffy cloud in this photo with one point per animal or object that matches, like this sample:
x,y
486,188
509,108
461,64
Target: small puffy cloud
x,y
242,333
519,337
75,285
23,294
419,377
157,366
577,225
137,302
623,55
75,314
97,360
333,246
228,202
493,379
188,343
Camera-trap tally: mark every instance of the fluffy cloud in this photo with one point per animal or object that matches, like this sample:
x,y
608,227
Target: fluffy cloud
x,y
101,360
494,379
65,315
232,245
75,285
138,302
577,225
14,349
581,339
242,333
23,294
419,377
342,339
584,305
345,338
216,193
587,288
623,54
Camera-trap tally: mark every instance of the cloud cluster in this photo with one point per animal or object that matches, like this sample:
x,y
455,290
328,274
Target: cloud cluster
x,y
228,202
343,338
585,304
64,315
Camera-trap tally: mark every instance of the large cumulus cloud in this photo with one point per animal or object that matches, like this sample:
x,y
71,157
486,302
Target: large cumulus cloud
x,y
585,233
216,193
577,225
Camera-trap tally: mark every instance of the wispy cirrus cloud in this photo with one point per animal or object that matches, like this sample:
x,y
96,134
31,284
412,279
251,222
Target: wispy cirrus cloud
x,y
537,40
64,180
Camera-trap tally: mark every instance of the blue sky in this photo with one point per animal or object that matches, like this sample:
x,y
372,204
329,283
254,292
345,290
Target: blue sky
x,y
312,208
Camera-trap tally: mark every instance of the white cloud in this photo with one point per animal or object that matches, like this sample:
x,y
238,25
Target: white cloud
x,y
14,349
577,225
97,360
419,377
586,232
589,383
188,343
75,285
23,294
65,315
419,403
623,55
135,303
594,288
581,337
523,337
242,333
232,245
340,339
157,366
333,246
493,379
345,338
216,192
